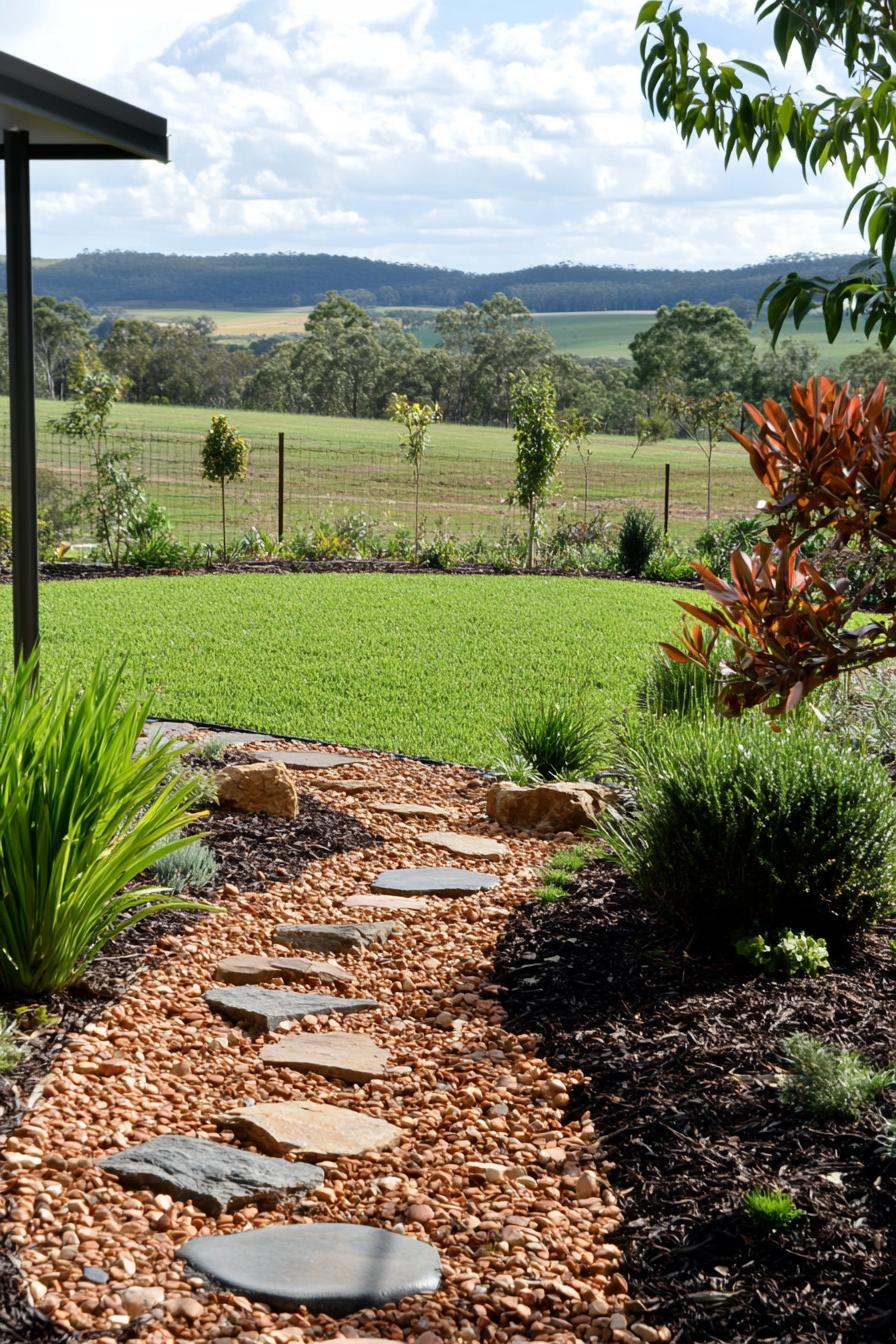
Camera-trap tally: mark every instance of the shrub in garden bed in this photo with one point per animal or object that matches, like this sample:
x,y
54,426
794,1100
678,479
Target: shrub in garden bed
x,y
739,829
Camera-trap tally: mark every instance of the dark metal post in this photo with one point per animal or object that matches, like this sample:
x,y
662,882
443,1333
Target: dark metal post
x,y
666,501
23,459
281,452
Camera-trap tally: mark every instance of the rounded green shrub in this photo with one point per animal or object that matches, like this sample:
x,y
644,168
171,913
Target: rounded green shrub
x,y
739,828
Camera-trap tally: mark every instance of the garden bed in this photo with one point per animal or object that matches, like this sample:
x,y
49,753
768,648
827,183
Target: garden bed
x,y
681,1057
72,570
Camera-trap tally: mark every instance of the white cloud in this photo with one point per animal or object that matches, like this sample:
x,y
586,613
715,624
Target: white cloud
x,y
366,126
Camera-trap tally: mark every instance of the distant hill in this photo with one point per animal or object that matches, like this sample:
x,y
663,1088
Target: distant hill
x,y
261,280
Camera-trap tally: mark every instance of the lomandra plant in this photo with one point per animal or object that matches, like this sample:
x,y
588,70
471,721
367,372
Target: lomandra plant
x,y
81,815
738,828
554,740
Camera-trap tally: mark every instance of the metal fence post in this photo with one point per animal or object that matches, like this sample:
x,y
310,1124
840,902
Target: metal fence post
x,y
666,500
281,453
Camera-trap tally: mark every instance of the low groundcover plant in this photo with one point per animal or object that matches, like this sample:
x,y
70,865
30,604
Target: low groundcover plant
x,y
828,1081
771,1210
82,813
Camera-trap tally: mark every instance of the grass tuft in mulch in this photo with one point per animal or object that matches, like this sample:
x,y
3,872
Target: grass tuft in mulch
x,y
682,1053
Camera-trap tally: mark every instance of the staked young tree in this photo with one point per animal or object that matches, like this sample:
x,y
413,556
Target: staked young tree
x,y
416,419
539,442
225,458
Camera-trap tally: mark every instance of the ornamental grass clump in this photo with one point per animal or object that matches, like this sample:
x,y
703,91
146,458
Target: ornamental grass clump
x,y
771,1211
829,1082
738,828
81,815
554,740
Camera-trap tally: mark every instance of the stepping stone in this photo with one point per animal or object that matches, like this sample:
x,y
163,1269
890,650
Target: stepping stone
x,y
245,970
434,881
268,1008
347,785
214,1177
468,846
310,1129
368,901
231,738
306,760
347,1055
333,1268
411,810
167,728
334,937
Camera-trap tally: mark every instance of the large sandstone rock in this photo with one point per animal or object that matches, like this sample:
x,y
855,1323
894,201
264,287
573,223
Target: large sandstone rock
x,y
555,806
265,787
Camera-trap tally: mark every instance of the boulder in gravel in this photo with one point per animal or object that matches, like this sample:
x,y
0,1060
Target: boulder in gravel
x,y
310,1129
268,1008
333,1268
335,937
548,808
214,1177
258,788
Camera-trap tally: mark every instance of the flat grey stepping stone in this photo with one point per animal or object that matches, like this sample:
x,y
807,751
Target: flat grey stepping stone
x,y
411,810
246,970
167,728
268,1008
373,901
467,846
231,738
305,760
310,1129
347,1055
434,881
333,1268
213,1176
335,937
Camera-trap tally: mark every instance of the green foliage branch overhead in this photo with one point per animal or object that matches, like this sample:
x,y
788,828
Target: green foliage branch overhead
x,y
736,104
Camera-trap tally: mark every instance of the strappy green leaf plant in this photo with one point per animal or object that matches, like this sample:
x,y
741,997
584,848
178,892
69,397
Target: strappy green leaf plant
x,y
82,813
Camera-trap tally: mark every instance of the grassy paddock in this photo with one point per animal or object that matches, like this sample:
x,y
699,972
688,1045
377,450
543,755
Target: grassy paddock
x,y
589,335
338,466
422,664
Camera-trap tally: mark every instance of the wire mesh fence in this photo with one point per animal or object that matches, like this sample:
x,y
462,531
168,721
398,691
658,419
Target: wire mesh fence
x,y
293,482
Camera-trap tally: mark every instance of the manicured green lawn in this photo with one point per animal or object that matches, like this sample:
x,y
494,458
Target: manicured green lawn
x,y
429,665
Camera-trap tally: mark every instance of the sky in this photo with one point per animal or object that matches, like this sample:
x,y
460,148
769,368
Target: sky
x,y
480,134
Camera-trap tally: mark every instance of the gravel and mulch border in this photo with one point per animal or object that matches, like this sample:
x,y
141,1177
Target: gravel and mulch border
x,y
516,1201
74,570
681,1059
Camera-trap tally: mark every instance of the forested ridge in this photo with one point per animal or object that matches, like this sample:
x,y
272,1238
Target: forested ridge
x,y
279,279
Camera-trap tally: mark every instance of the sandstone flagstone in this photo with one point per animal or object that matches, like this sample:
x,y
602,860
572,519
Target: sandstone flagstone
x,y
411,810
247,970
214,1176
467,846
268,1008
347,1055
310,1129
333,1268
347,785
305,760
335,937
434,881
373,901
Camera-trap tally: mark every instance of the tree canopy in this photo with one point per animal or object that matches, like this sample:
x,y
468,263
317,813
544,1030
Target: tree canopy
x,y
737,104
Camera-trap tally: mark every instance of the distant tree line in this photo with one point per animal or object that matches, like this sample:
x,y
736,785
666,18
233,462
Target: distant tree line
x,y
281,279
687,369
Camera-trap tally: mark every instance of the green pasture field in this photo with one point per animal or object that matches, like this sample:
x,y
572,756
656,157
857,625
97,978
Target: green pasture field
x,y
337,466
416,663
590,335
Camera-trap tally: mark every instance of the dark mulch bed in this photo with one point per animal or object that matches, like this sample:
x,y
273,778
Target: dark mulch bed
x,y
257,849
250,850
74,569
680,1055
